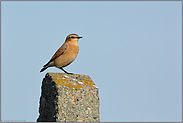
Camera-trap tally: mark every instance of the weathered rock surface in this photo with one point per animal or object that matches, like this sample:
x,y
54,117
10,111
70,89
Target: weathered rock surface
x,y
68,98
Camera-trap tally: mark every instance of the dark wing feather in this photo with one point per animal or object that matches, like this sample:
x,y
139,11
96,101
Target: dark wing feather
x,y
59,52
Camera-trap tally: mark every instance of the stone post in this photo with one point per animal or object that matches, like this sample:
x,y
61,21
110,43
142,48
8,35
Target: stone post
x,y
68,98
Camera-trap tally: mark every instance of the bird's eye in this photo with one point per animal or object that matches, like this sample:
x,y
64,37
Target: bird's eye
x,y
72,37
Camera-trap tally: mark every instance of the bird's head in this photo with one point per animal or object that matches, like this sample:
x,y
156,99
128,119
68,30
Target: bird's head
x,y
73,37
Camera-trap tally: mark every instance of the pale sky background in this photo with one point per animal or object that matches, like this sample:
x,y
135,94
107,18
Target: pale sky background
x,y
131,50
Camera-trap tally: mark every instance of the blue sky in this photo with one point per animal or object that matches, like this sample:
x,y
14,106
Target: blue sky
x,y
131,50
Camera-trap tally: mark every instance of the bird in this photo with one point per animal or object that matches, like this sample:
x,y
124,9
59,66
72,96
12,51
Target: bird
x,y
65,55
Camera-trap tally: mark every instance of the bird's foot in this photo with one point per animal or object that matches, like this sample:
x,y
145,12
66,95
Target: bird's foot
x,y
70,73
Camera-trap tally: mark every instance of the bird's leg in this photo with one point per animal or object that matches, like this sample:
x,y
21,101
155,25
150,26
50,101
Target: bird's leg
x,y
65,71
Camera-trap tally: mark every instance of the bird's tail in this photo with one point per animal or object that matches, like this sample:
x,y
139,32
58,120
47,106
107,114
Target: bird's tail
x,y
44,68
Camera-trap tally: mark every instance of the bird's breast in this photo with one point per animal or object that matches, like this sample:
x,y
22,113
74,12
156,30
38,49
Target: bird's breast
x,y
68,56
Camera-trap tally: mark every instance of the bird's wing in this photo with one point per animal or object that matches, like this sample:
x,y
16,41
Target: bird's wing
x,y
59,52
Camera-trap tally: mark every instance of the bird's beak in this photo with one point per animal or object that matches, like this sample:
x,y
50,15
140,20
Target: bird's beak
x,y
80,37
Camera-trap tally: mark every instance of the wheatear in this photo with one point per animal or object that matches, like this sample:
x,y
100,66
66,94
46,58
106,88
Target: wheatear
x,y
65,55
